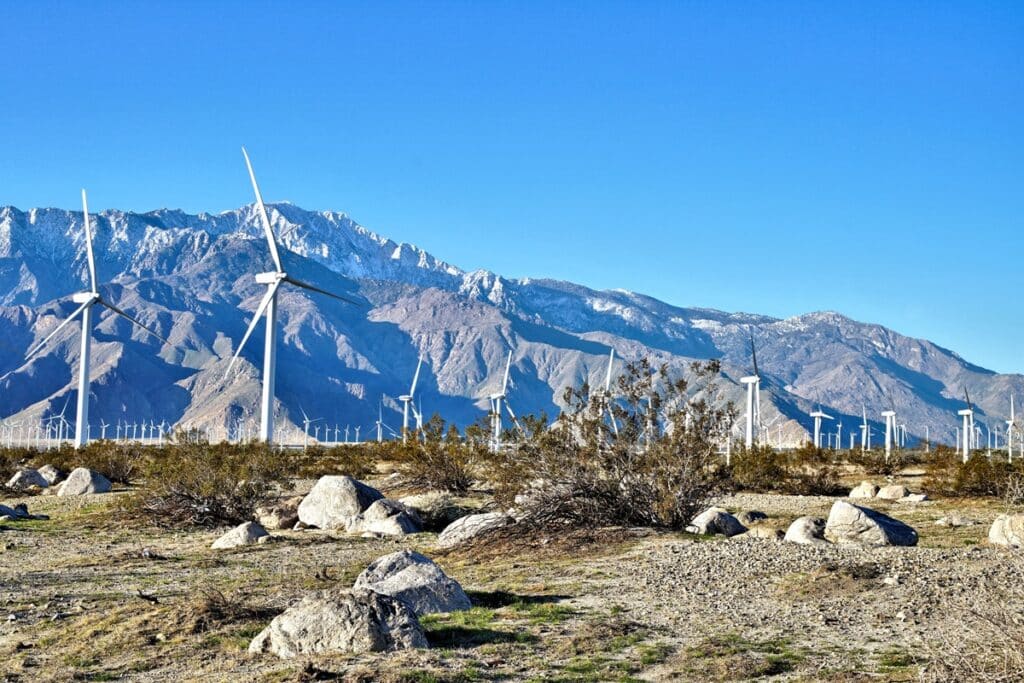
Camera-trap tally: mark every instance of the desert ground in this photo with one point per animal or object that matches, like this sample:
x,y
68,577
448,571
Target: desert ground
x,y
88,595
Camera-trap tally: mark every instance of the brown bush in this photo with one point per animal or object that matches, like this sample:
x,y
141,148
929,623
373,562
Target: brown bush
x,y
656,468
118,462
198,484
440,460
317,461
981,475
805,471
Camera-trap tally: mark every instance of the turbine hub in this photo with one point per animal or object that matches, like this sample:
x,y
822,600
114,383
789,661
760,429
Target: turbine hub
x,y
270,278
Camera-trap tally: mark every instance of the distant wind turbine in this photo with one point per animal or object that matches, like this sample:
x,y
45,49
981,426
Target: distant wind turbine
x,y
968,416
753,383
86,301
818,416
407,400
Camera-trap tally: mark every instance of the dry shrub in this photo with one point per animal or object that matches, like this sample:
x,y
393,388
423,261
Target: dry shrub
x,y
211,609
316,461
206,485
655,467
438,460
987,642
981,475
805,471
118,462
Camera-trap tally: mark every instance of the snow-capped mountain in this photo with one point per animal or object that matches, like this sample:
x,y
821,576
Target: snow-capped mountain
x,y
190,277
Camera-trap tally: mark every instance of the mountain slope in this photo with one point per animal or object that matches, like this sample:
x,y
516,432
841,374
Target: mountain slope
x,y
190,277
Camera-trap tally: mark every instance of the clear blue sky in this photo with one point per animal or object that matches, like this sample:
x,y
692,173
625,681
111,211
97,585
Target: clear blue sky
x,y
775,157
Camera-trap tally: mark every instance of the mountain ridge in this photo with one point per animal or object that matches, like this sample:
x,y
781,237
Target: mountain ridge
x,y
191,276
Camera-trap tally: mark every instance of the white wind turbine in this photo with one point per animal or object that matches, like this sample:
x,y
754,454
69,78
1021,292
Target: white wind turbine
x,y
968,416
1011,425
497,401
605,394
818,416
268,306
86,301
407,400
753,383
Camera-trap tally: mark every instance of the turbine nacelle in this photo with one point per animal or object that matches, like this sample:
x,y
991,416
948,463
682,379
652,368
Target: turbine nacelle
x,y
85,297
270,278
965,412
752,379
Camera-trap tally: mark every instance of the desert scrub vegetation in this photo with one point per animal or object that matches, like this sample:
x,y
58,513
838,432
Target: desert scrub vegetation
x,y
646,459
437,458
982,475
190,484
805,471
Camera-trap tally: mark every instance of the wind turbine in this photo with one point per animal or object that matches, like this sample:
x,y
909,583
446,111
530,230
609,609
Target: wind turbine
x,y
86,301
891,431
968,416
380,420
268,306
407,400
605,395
818,416
305,426
753,383
1011,424
496,400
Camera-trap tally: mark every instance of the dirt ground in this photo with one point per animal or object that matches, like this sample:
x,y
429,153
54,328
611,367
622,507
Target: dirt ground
x,y
85,595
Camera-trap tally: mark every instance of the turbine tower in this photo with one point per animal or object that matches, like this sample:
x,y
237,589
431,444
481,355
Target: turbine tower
x,y
864,433
968,416
606,394
818,416
407,399
268,306
496,402
86,301
1011,424
890,425
753,383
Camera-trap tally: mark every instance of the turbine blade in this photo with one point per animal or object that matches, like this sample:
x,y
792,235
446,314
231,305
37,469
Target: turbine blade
x,y
515,420
88,244
415,379
753,354
267,230
306,285
260,310
129,318
508,366
35,349
608,375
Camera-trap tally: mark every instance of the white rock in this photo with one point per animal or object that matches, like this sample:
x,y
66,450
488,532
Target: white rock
x,y
864,490
26,478
51,474
82,481
416,580
848,523
914,498
806,531
386,518
749,517
715,521
954,520
436,509
892,492
761,532
335,502
281,515
461,530
342,622
1007,530
243,534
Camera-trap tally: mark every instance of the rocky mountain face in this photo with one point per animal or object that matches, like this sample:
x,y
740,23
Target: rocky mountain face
x,y
191,278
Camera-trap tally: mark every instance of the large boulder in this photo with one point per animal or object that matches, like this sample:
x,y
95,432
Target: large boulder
x,y
280,515
386,517
760,531
51,474
25,479
416,580
82,481
806,531
892,492
1007,530
335,502
849,523
461,530
436,509
865,489
341,622
243,534
714,522
748,517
